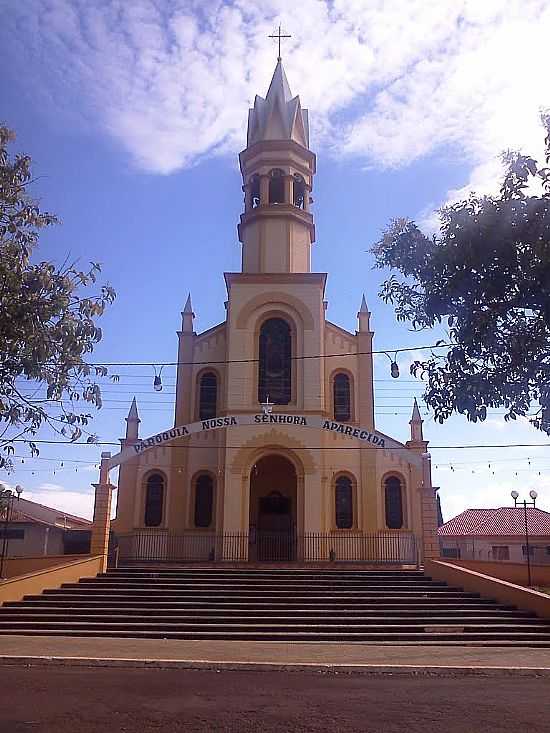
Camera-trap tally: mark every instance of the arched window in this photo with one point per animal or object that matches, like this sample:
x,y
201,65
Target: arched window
x,y
299,191
204,500
275,366
208,396
154,500
276,186
394,502
343,496
342,397
254,191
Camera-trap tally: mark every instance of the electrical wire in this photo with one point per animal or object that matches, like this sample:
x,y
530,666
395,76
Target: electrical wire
x,y
256,360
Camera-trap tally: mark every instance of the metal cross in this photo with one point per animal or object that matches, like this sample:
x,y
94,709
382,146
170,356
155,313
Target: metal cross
x,y
279,35
267,406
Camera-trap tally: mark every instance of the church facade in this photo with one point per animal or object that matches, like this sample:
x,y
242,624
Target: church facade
x,y
280,457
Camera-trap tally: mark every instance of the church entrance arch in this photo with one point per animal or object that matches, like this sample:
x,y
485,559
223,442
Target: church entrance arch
x,y
273,509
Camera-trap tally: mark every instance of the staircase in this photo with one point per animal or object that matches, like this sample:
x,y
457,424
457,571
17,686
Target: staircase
x,y
373,607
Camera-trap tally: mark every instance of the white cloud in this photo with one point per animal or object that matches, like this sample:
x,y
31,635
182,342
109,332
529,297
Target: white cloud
x,y
80,503
385,80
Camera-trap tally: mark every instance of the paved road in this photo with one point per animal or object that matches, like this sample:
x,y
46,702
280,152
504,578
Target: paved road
x,y
111,700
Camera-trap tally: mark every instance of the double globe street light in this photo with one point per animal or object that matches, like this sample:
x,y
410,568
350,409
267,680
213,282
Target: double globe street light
x,y
533,494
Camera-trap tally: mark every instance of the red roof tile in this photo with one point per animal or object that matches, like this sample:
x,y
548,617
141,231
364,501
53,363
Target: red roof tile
x,y
466,522
503,522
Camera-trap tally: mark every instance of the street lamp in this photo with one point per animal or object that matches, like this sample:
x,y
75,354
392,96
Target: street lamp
x,y
533,494
394,366
6,508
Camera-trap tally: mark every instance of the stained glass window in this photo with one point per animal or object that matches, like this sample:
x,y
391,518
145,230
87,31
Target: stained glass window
x,y
275,367
344,502
208,395
394,503
342,397
154,500
204,500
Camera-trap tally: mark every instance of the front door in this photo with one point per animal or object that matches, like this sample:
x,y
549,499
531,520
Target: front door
x,y
275,536
273,513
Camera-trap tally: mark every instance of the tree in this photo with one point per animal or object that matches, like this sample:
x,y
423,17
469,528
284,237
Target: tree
x,y
486,276
47,322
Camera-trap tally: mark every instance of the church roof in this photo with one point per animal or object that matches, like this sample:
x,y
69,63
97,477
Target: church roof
x,y
280,115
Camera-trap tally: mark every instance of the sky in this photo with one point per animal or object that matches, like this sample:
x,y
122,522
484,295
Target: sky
x,y
134,114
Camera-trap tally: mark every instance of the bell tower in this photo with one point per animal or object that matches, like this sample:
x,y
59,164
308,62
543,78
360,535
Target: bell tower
x,y
277,166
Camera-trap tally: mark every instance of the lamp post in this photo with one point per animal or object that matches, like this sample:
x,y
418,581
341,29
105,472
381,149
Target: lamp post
x,y
6,508
533,494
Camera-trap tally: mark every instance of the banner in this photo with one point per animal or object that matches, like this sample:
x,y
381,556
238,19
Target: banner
x,y
374,438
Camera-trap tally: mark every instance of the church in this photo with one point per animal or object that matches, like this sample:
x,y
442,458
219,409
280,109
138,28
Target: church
x,y
274,454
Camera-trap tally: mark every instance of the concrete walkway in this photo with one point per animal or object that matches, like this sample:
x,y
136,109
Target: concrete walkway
x,y
335,657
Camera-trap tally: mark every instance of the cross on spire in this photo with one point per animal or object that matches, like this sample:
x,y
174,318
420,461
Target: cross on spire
x,y
279,35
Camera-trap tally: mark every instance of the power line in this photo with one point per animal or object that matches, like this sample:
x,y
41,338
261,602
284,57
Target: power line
x,y
255,361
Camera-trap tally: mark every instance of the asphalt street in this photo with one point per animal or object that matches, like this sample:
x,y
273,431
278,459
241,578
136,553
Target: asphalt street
x,y
82,700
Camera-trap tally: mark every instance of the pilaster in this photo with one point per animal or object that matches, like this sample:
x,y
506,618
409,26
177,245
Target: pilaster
x,y
430,540
99,544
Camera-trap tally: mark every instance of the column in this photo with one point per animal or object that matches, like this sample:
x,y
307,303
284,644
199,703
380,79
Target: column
x,y
264,190
430,540
99,544
289,198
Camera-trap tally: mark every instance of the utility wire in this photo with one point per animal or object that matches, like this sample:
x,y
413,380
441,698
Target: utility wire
x,y
255,361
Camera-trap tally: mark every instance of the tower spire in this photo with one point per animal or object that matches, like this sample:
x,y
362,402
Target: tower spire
x,y
276,228
416,424
132,422
187,315
364,315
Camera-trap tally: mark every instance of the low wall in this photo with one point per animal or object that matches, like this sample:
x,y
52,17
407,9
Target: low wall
x,y
513,572
13,589
14,566
502,591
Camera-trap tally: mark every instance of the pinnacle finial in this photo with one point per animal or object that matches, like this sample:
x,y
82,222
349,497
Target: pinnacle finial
x,y
132,422
417,435
188,308
133,415
363,308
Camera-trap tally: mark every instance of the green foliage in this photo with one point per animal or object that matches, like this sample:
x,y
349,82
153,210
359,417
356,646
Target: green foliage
x,y
47,322
486,276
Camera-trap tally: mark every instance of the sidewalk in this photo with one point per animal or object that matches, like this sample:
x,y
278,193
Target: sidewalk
x,y
257,656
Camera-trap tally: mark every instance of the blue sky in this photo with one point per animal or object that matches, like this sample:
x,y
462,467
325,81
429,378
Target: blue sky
x,y
134,114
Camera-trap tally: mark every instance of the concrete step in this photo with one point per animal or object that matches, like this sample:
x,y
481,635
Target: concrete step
x,y
266,611
250,583
496,638
286,588
390,607
272,572
271,578
174,625
160,617
245,600
183,590
419,640
288,607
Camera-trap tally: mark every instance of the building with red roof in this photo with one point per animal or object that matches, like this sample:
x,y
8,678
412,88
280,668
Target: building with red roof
x,y
497,534
35,529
